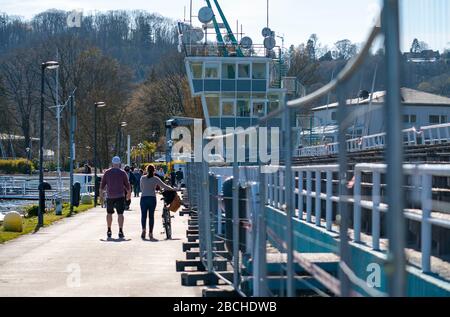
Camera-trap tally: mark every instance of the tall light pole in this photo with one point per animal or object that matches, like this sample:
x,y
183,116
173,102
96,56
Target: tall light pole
x,y
122,125
44,66
99,104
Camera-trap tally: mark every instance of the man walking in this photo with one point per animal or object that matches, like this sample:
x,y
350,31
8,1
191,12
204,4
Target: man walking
x,y
118,190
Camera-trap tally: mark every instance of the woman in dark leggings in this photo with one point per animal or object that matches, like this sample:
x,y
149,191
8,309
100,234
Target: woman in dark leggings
x,y
148,185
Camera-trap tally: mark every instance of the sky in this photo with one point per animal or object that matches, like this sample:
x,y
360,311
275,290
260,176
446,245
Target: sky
x,y
296,20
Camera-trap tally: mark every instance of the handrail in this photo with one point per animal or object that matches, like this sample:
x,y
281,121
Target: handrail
x,y
409,140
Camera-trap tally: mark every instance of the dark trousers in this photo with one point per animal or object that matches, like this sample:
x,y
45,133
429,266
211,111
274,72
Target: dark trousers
x,y
148,206
137,190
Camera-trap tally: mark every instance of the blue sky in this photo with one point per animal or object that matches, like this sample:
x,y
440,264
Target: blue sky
x,y
331,20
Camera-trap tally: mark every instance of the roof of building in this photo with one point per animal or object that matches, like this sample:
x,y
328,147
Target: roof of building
x,y
409,97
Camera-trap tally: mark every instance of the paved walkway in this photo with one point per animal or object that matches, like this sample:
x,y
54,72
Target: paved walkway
x,y
74,258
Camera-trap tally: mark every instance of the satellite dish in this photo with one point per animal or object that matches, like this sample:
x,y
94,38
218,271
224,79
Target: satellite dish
x,y
246,42
197,34
266,32
205,15
270,43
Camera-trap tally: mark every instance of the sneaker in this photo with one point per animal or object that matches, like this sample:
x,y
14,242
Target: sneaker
x,y
109,234
121,235
143,235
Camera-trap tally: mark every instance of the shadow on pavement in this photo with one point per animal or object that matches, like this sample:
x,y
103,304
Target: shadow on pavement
x,y
115,240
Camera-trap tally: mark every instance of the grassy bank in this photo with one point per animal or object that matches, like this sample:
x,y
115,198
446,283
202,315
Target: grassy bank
x,y
30,223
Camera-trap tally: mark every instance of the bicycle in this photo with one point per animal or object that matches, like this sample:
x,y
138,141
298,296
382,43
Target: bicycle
x,y
167,221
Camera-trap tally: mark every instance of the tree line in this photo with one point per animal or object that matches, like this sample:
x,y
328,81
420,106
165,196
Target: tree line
x,y
129,60
315,65
126,59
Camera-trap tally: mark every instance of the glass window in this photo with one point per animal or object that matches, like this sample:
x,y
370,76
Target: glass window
x,y
259,71
443,119
259,109
228,95
413,118
273,105
197,70
434,119
212,102
243,108
212,71
243,95
229,71
405,118
333,116
244,71
259,95
228,108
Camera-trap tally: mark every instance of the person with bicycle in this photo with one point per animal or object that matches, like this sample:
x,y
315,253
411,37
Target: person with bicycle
x,y
149,184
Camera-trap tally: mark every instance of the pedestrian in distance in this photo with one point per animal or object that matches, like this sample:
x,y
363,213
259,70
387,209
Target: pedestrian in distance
x,y
118,189
132,181
179,175
173,178
137,186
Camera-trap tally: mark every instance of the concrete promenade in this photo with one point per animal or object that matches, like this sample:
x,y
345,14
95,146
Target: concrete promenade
x,y
74,258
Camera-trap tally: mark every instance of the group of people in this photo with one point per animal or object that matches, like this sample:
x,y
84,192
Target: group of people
x,y
119,184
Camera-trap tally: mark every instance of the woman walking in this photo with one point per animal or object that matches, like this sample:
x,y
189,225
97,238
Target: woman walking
x,y
148,186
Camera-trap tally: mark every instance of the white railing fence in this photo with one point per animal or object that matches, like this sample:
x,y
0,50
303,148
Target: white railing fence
x,y
316,183
426,135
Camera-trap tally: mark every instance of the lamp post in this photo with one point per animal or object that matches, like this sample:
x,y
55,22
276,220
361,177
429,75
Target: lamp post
x,y
29,158
99,104
44,66
122,125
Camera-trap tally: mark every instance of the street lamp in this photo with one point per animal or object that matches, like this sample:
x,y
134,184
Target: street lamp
x,y
44,66
99,104
122,124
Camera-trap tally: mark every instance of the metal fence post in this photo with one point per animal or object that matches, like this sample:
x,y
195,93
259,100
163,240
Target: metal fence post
x,y
343,193
308,196
357,206
207,214
318,198
261,234
289,200
329,206
300,194
235,215
426,197
394,150
376,210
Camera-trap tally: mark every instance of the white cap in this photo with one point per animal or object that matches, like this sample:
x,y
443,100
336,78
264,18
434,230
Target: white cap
x,y
116,160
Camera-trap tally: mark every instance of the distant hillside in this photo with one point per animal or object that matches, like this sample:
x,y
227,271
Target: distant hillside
x,y
137,39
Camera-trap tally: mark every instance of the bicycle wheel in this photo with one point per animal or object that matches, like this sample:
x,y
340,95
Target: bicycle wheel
x,y
167,224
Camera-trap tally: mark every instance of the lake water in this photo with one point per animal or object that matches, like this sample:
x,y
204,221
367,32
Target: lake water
x,y
16,205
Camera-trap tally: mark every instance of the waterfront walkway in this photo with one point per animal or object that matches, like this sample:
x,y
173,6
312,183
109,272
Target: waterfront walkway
x,y
74,258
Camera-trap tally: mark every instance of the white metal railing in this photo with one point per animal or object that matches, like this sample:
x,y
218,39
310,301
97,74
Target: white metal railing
x,y
305,176
436,134
27,186
426,135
